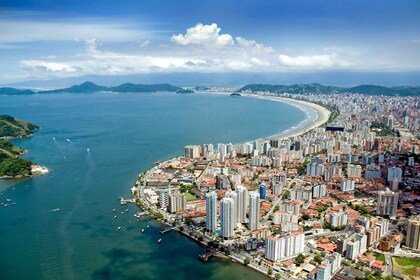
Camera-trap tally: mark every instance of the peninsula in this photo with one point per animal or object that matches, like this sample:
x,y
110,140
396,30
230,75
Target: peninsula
x,y
321,198
11,165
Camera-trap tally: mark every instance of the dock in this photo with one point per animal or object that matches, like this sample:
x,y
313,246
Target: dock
x,y
167,230
205,257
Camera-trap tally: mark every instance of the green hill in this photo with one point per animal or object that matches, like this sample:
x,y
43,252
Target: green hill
x,y
10,163
11,127
14,91
321,89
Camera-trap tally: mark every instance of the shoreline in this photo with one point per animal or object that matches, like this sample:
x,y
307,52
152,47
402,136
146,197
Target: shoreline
x,y
315,115
310,109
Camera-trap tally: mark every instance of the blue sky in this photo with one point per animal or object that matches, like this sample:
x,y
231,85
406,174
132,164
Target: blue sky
x,y
54,39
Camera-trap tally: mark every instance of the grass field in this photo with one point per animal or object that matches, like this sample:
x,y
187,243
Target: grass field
x,y
190,196
409,268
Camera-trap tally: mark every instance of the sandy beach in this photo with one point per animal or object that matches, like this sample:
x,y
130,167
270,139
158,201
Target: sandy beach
x,y
317,115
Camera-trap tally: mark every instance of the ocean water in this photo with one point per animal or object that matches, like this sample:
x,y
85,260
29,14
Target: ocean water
x,y
125,134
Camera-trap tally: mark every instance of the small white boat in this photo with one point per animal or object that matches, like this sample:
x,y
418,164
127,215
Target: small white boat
x,y
147,225
159,240
88,150
113,210
8,200
56,209
126,210
118,228
142,230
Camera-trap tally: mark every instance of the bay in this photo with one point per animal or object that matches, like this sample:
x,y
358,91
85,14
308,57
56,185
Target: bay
x,y
95,146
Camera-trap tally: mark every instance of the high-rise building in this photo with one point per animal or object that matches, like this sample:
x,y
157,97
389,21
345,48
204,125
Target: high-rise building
x,y
285,246
315,168
354,170
254,210
394,173
242,206
177,202
324,271
263,190
352,249
387,203
319,191
164,198
413,233
234,196
347,186
192,151
227,223
341,245
211,211
338,219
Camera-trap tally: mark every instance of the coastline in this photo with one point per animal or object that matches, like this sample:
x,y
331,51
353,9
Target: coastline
x,y
322,115
316,115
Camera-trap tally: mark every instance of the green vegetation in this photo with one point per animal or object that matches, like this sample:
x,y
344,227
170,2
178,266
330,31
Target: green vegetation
x,y
185,188
286,194
300,259
11,127
10,163
379,256
190,196
247,261
382,129
410,268
270,271
318,258
321,89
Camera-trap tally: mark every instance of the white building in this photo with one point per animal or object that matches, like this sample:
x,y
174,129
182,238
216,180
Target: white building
x,y
285,246
211,211
347,186
338,219
242,206
387,203
192,151
227,223
177,202
324,271
319,191
254,210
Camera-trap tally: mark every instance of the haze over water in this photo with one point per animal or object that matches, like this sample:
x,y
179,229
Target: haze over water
x,y
125,134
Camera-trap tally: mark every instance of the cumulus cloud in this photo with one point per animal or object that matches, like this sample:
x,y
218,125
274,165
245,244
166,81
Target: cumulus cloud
x,y
206,35
253,45
319,61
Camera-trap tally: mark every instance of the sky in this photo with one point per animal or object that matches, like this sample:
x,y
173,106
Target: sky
x,y
49,39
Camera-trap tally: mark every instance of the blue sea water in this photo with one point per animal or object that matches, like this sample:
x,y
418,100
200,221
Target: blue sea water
x,y
125,134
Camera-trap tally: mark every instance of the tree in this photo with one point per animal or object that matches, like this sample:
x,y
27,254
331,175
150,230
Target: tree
x,y
270,271
318,258
247,261
278,276
286,194
299,259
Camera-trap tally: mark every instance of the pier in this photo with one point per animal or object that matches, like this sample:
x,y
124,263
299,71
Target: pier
x,y
126,201
167,230
205,257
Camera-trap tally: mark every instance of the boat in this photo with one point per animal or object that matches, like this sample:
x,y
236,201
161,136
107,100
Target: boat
x,y
147,225
56,209
88,149
235,94
126,210
118,228
159,240
142,230
8,200
113,210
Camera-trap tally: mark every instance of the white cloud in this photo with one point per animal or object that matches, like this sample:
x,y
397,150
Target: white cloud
x,y
12,31
253,45
57,67
206,35
318,61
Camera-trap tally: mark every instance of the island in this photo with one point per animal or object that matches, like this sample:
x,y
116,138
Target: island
x,y
11,164
185,90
